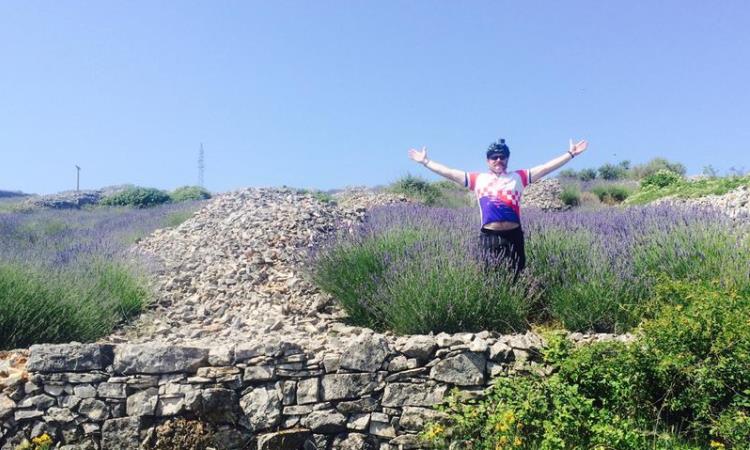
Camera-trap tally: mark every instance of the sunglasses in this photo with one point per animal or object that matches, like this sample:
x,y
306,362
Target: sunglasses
x,y
497,156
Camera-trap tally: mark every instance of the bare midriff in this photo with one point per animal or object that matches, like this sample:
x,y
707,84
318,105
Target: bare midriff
x,y
501,226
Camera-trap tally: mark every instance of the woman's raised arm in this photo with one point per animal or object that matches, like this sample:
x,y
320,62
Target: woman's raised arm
x,y
420,156
535,173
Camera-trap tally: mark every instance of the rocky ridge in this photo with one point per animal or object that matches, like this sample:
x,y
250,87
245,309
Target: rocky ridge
x,y
234,272
544,194
735,203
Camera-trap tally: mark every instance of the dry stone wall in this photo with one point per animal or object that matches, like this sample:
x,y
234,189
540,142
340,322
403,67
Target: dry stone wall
x,y
375,393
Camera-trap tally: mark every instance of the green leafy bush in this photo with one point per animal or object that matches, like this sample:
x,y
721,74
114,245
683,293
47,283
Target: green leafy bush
x,y
683,384
567,173
185,193
641,171
571,195
416,188
587,174
140,197
611,193
612,172
660,179
453,195
690,189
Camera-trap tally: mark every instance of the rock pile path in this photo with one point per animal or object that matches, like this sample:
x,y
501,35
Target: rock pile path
x,y
235,272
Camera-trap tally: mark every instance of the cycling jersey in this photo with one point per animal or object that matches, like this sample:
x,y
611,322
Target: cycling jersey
x,y
498,196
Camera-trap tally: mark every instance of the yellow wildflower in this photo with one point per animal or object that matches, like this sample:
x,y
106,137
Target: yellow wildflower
x,y
517,441
42,440
717,444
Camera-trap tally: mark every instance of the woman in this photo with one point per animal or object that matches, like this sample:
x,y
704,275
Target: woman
x,y
498,194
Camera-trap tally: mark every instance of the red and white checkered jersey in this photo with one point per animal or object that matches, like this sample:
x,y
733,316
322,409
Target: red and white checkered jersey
x,y
498,196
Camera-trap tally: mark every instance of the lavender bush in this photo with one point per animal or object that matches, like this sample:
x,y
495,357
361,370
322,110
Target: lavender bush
x,y
65,275
415,269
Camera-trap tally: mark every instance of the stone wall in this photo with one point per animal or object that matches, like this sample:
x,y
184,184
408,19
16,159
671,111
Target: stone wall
x,y
375,394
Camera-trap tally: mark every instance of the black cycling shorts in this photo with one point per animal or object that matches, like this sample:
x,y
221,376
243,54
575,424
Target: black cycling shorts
x,y
504,247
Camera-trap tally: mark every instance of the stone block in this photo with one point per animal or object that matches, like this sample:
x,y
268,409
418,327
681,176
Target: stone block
x,y
328,421
121,434
308,391
68,357
94,409
219,406
408,394
284,440
158,359
142,403
466,369
259,373
262,407
348,385
366,353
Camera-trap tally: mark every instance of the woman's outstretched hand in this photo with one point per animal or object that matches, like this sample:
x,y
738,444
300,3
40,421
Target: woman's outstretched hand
x,y
419,156
577,149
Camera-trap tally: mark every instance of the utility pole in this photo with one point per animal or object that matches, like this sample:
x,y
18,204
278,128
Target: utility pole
x,y
201,166
78,178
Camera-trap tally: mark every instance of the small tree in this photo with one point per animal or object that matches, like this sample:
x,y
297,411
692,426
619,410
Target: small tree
x,y
587,174
643,170
611,172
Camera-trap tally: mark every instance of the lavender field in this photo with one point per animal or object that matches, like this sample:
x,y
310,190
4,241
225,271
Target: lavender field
x,y
66,275
416,269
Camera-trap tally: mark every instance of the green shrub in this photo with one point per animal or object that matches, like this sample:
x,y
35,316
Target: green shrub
x,y
660,179
612,172
643,170
611,193
571,195
453,196
683,384
140,197
39,306
587,174
175,219
416,188
382,285
599,298
568,173
450,297
690,189
364,268
695,357
186,193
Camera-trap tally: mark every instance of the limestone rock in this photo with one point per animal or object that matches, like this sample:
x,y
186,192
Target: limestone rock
x,y
284,440
158,359
121,434
262,407
354,441
219,406
366,353
325,421
408,394
466,369
69,357
347,386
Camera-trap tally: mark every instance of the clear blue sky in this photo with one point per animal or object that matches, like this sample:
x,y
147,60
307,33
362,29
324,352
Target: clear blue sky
x,y
325,94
